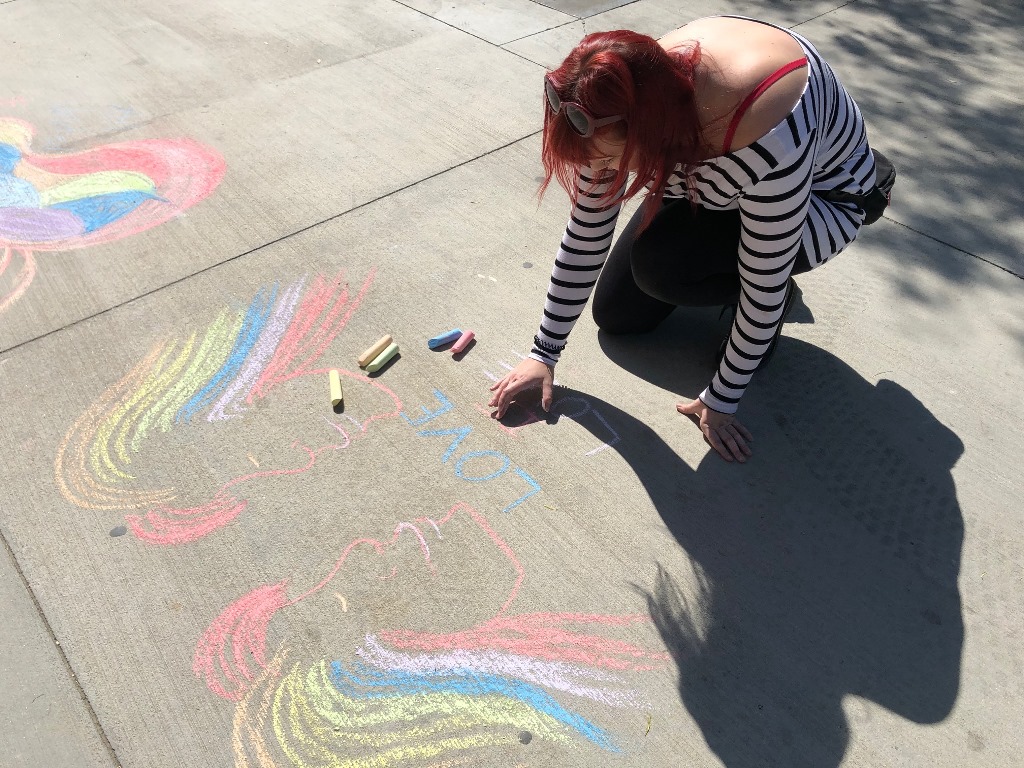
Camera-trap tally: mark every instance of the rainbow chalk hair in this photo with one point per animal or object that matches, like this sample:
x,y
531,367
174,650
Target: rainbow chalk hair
x,y
400,696
64,202
216,373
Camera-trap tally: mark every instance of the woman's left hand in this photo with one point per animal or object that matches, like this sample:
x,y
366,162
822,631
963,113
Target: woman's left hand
x,y
721,430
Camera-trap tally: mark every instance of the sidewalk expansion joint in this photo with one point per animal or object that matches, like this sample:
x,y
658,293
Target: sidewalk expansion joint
x,y
60,652
823,13
995,264
467,32
258,248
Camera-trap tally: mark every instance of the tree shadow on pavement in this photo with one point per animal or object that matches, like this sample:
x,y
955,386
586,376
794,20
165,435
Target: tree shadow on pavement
x,y
826,566
938,86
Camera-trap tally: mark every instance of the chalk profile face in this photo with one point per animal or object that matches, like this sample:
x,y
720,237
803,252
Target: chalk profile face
x,y
429,568
400,645
63,202
400,695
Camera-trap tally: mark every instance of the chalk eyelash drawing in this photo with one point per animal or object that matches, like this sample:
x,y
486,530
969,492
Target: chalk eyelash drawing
x,y
210,376
407,697
63,202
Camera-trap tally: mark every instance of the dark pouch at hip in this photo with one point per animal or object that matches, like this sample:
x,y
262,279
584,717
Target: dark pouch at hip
x,y
876,201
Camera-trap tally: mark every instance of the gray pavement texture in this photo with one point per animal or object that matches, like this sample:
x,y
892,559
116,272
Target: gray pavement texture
x,y
203,563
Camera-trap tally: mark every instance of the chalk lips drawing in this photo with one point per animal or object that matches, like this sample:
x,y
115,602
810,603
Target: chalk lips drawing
x,y
67,201
412,696
211,376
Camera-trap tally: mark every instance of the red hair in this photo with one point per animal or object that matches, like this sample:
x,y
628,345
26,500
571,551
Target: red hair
x,y
626,73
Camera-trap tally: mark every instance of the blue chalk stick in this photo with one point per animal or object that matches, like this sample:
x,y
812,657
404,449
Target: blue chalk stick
x,y
444,338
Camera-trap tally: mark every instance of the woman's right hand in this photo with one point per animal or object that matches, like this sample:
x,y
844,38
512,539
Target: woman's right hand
x,y
529,374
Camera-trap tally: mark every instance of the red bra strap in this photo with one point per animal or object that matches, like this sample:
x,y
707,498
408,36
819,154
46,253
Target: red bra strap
x,y
765,84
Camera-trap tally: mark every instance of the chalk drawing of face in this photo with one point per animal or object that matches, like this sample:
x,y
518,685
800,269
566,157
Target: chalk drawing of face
x,y
215,375
385,679
63,202
411,696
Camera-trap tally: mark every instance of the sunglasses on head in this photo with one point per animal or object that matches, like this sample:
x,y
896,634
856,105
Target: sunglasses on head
x,y
579,119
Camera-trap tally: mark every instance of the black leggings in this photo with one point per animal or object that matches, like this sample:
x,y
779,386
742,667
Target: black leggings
x,y
686,257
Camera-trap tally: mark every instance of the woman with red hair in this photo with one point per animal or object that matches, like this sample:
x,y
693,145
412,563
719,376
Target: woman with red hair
x,y
756,167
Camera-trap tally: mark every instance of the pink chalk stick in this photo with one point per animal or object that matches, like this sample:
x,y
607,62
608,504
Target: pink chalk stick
x,y
463,342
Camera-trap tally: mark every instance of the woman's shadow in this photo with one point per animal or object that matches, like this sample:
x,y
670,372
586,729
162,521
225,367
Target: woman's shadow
x,y
826,566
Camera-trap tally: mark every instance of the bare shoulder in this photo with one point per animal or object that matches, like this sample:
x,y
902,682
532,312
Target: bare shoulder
x,y
738,41
736,56
688,33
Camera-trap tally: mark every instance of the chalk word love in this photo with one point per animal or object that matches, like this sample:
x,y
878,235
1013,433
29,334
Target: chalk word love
x,y
458,434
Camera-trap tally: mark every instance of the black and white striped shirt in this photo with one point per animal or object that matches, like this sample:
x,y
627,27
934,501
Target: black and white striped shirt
x,y
820,146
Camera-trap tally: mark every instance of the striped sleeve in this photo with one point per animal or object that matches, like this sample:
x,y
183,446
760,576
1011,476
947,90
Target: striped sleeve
x,y
582,254
773,216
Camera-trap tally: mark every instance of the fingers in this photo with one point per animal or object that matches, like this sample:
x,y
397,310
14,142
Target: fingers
x,y
729,439
508,389
504,400
711,435
734,442
500,386
744,432
527,375
499,391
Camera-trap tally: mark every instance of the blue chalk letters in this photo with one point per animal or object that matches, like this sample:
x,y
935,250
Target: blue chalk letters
x,y
461,433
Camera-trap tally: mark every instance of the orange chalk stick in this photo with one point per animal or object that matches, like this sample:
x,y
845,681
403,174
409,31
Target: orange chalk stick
x,y
375,350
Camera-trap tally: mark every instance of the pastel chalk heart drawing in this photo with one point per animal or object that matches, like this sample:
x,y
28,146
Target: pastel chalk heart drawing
x,y
63,202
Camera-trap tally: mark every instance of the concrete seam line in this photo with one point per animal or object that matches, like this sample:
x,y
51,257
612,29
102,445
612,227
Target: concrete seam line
x,y
956,248
463,31
824,13
900,223
275,241
60,651
534,34
632,2
564,23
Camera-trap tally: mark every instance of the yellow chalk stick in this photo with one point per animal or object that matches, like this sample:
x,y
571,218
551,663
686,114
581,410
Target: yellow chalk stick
x,y
382,358
374,351
336,393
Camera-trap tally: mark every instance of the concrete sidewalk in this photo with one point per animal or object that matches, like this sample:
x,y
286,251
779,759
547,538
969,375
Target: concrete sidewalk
x,y
203,563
